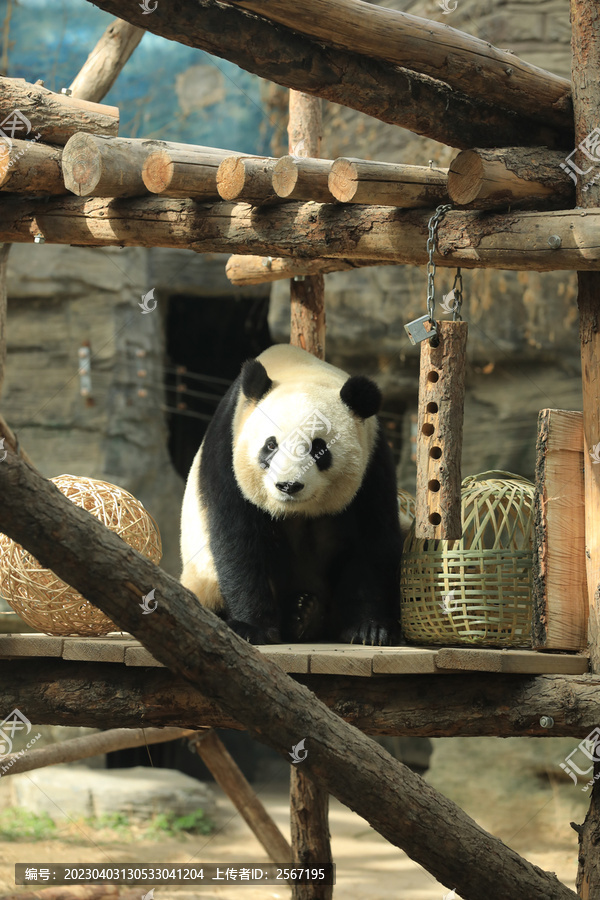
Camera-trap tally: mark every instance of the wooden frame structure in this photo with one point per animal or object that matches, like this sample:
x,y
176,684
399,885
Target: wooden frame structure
x,y
492,111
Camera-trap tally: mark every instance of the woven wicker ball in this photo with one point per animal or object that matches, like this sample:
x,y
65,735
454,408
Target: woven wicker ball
x,y
476,590
39,596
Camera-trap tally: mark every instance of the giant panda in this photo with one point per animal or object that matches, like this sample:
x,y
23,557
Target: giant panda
x,y
289,526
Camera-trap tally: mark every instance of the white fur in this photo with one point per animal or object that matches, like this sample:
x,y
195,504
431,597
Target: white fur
x,y
199,573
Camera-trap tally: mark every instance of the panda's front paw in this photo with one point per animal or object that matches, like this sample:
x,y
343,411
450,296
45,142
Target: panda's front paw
x,y
375,634
255,634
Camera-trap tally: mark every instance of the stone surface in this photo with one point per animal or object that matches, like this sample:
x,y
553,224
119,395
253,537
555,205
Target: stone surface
x,y
139,793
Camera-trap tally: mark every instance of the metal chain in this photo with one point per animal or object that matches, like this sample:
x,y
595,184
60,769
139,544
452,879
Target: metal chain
x,y
457,288
433,225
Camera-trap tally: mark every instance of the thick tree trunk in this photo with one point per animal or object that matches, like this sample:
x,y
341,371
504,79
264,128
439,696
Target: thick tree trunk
x,y
387,184
418,103
468,238
309,809
468,64
101,69
56,117
198,646
513,176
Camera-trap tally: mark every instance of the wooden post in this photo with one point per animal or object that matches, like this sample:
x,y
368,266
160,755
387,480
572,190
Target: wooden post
x,y
307,296
309,808
387,184
228,776
512,176
439,440
309,802
560,602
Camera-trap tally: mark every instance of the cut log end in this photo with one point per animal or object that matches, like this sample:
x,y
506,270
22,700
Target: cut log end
x,y
231,178
465,176
343,180
285,177
157,172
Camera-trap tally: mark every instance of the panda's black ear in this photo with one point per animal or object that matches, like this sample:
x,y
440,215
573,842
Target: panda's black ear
x,y
255,381
362,396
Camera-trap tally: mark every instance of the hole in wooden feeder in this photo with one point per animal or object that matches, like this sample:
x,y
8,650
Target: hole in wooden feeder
x,y
433,377
432,407
434,485
435,452
435,518
427,429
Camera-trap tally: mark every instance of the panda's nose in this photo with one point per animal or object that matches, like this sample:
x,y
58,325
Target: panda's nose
x,y
289,487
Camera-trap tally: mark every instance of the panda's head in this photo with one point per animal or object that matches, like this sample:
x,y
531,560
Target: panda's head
x,y
303,433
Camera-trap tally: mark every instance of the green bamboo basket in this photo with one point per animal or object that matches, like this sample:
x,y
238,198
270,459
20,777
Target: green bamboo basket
x,y
476,590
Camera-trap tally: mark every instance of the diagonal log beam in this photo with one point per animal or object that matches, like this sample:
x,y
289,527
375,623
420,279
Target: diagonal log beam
x,y
468,238
380,89
200,648
102,67
466,63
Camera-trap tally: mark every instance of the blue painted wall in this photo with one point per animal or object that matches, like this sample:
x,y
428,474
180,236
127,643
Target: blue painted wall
x,y
166,91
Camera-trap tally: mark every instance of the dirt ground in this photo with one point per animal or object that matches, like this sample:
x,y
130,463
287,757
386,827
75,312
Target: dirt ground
x,y
513,788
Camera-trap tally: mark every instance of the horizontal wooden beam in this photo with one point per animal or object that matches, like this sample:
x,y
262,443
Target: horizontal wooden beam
x,y
387,184
248,179
466,63
243,270
31,168
303,178
468,238
519,177
60,692
177,170
56,117
380,89
94,165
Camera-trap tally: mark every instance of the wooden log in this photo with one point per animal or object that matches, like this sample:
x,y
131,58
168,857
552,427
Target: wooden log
x,y
248,179
177,170
439,441
468,64
94,165
385,235
309,817
428,107
196,645
101,69
31,168
387,184
298,178
90,745
307,294
453,704
242,270
228,776
585,46
57,117
560,602
512,176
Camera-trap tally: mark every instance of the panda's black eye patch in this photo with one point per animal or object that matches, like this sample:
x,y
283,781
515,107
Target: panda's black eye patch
x,y
266,452
321,454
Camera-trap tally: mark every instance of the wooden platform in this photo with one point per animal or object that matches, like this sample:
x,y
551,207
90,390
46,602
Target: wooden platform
x,y
315,659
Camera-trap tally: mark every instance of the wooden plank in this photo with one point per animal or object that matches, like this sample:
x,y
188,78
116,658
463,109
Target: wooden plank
x,y
292,658
341,659
405,661
97,649
510,661
139,656
12,645
560,601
